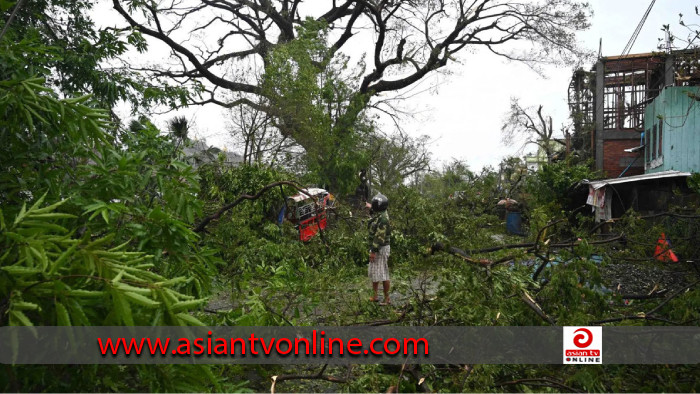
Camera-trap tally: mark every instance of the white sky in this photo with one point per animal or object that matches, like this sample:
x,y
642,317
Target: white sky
x,y
463,116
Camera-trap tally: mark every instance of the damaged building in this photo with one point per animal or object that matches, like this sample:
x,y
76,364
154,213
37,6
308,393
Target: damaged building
x,y
638,117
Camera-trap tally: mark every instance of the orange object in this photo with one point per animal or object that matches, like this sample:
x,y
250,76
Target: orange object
x,y
663,250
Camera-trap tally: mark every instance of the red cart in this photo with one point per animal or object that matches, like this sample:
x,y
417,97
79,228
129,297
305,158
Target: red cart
x,y
308,211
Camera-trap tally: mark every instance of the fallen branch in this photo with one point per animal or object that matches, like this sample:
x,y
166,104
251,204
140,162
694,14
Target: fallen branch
x,y
542,230
601,242
469,368
530,302
531,246
636,317
272,311
650,315
538,271
671,214
203,224
398,380
599,225
318,376
540,382
215,311
503,247
420,380
385,322
672,296
656,294
440,247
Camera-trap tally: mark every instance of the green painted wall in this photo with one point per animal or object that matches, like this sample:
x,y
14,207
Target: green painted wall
x,y
673,120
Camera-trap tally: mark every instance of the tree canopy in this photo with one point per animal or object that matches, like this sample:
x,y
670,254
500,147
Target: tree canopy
x,y
225,47
106,224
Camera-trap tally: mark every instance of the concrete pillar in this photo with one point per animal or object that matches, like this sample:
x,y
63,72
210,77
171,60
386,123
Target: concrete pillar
x,y
599,105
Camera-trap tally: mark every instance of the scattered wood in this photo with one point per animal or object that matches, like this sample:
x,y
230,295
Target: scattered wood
x,y
469,368
531,248
538,271
657,294
672,296
318,376
440,247
385,322
651,315
532,304
545,382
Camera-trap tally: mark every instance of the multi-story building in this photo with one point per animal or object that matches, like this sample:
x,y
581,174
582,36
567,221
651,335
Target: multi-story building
x,y
609,105
638,117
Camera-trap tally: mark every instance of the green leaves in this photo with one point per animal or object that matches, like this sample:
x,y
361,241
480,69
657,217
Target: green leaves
x,y
18,318
93,233
42,262
6,5
62,317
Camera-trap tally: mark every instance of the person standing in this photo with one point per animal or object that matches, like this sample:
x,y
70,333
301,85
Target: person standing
x,y
379,247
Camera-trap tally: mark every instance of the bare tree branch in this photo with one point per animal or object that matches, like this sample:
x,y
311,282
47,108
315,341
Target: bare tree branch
x,y
228,43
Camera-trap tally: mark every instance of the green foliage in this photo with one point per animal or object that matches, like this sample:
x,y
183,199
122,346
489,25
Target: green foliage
x,y
551,188
88,282
312,93
58,39
96,228
694,182
94,232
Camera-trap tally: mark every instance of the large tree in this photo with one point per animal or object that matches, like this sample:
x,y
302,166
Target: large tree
x,y
232,51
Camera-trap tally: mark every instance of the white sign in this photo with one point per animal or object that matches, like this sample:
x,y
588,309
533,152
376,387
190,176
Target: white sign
x,y
583,345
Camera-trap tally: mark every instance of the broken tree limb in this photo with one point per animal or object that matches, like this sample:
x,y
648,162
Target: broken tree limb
x,y
377,323
440,247
546,382
530,302
599,225
651,314
545,261
671,214
541,232
635,317
672,296
203,224
318,376
469,368
419,379
656,294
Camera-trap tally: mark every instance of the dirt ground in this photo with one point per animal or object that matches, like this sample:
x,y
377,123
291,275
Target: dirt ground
x,y
642,277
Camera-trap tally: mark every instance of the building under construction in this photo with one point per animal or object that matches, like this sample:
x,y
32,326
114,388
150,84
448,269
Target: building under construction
x,y
608,105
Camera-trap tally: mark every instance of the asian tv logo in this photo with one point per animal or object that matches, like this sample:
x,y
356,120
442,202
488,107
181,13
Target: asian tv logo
x,y
583,345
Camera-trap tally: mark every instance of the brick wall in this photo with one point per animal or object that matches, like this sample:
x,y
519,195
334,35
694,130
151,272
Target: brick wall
x,y
615,159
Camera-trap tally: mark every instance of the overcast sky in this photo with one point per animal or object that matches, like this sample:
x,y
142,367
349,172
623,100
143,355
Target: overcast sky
x,y
466,113
463,115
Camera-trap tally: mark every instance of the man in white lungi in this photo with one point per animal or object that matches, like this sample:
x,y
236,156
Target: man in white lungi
x,y
379,249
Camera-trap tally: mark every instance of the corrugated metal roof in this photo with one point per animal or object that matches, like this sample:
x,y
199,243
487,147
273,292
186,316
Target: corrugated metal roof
x,y
637,178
